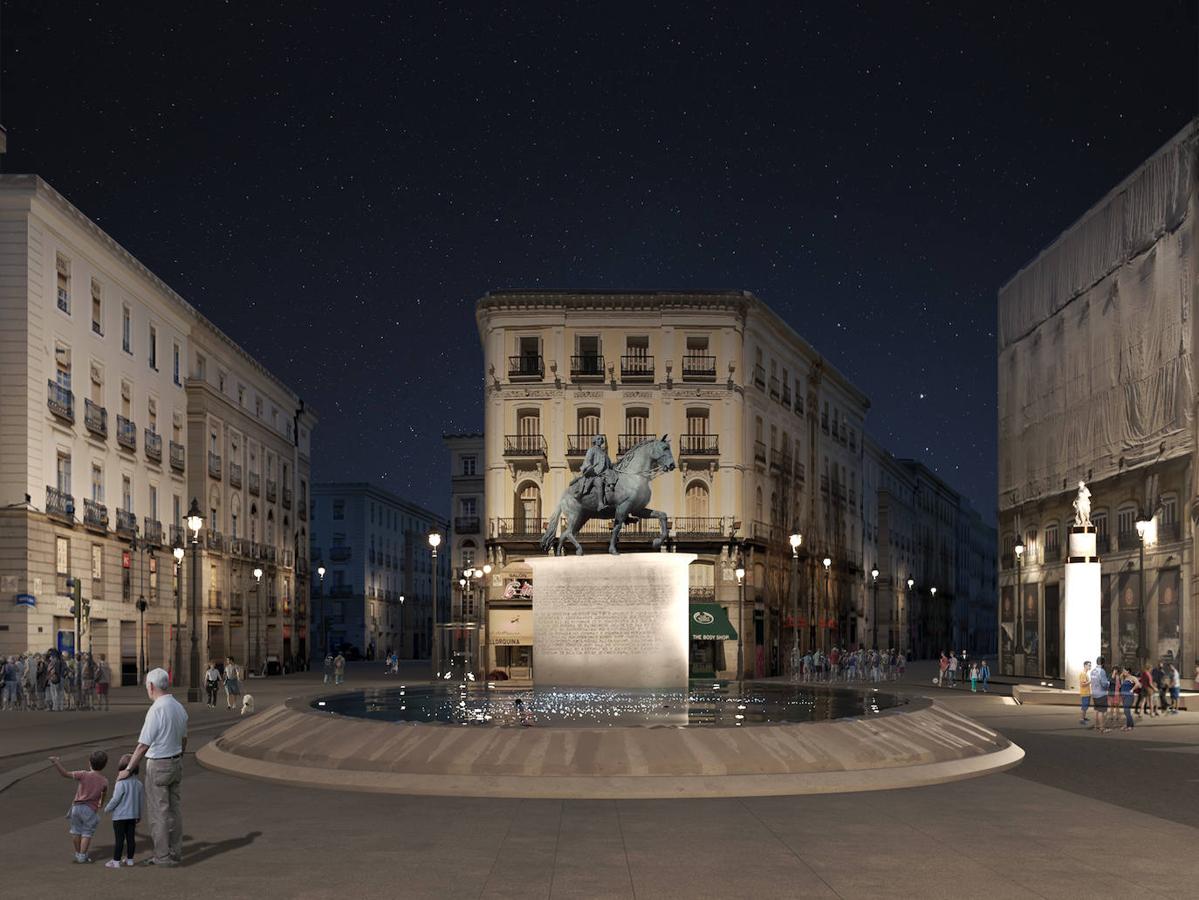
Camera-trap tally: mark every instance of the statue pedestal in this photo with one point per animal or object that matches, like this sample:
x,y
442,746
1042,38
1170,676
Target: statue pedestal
x,y
1081,631
611,621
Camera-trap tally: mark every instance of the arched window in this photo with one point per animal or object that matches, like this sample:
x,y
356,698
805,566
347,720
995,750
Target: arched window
x,y
587,424
253,522
701,580
528,430
270,528
527,508
697,501
235,515
775,512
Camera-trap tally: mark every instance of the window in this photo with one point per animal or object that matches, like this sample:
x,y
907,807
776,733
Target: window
x,y
241,395
97,483
469,464
62,471
201,367
62,366
258,407
697,422
62,556
339,509
154,502
1053,545
1126,522
64,283
97,308
468,554
97,562
1169,510
697,501
587,424
126,329
175,363
126,493
528,508
153,348
636,423
468,506
177,510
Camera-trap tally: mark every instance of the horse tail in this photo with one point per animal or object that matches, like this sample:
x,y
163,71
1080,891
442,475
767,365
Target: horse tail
x,y
551,529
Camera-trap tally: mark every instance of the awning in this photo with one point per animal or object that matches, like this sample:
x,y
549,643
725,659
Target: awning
x,y
710,622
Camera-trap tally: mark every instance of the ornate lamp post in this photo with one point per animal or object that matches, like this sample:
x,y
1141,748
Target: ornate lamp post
x,y
874,615
320,571
177,668
828,589
796,540
258,619
1018,643
401,650
195,521
1147,532
908,612
740,572
933,593
434,542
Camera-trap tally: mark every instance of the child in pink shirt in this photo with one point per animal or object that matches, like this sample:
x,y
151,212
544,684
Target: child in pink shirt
x,y
84,813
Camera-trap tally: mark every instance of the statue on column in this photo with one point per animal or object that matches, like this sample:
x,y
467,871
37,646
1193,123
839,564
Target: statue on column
x,y
1082,506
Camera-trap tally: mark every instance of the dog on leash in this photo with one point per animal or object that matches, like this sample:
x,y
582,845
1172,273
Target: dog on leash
x,y
247,704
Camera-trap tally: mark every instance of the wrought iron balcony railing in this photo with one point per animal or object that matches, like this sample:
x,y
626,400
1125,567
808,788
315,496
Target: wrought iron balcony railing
x,y
153,445
214,464
578,444
178,456
526,368
524,445
59,504
95,418
235,474
760,376
518,529
126,523
637,368
254,483
340,554
286,497
699,367
272,490
126,434
699,445
152,531
60,401
587,366
466,524
95,515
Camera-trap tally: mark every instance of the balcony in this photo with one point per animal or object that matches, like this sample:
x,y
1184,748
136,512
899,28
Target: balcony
x,y
235,474
589,367
466,524
519,529
240,547
236,602
698,527
272,490
301,566
780,460
526,368
95,515
126,434
701,594
340,554
177,536
214,464
698,445
626,442
153,445
637,368
524,445
178,456
95,419
800,472
760,452
1128,540
286,497
1168,532
126,523
699,367
799,410
287,558
271,554
578,444
786,401
255,483
774,386
214,541
60,401
1007,561
760,376
152,531
765,533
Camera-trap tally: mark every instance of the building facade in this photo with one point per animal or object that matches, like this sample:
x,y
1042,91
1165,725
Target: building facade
x,y
1096,384
111,381
766,433
382,589
467,517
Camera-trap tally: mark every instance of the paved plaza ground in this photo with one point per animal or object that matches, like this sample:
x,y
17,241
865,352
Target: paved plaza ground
x,y
1083,816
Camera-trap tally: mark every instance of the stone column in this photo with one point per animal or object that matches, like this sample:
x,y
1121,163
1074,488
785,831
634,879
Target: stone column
x,y
1081,634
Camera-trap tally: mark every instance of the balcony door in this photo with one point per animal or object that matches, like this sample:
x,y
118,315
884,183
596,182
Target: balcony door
x,y
696,502
528,430
528,509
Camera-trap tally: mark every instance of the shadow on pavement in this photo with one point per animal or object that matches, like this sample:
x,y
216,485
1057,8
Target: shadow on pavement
x,y
201,851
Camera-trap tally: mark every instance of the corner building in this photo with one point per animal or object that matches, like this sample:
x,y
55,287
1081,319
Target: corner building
x,y
766,433
119,403
1097,384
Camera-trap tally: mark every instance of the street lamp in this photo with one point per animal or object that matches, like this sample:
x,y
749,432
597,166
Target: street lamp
x,y
933,593
1018,643
874,617
320,571
828,589
401,623
195,521
740,573
258,617
908,612
795,540
177,668
434,542
1147,531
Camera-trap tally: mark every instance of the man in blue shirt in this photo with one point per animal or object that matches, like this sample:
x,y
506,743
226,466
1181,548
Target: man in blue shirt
x,y
1099,688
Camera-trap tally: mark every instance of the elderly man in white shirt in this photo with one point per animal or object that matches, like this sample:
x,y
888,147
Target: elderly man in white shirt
x,y
162,742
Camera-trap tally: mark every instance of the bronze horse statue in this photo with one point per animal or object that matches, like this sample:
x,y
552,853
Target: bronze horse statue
x,y
630,495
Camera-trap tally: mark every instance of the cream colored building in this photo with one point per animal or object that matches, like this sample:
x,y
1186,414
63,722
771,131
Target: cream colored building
x,y
766,433
119,403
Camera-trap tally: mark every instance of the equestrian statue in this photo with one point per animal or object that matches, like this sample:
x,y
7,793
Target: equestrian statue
x,y
606,490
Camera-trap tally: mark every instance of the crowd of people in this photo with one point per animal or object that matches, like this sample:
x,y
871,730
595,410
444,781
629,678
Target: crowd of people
x,y
55,681
1153,691
848,665
953,669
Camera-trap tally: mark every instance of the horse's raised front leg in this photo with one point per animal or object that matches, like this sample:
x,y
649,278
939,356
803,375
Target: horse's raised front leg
x,y
618,520
663,523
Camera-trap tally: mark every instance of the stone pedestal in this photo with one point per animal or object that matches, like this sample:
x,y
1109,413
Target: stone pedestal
x,y
611,621
1081,630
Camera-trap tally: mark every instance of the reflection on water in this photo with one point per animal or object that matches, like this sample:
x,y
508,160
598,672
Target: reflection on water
x,y
719,704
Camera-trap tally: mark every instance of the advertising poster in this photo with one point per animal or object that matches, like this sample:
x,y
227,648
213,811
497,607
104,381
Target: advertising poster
x,y
1127,632
1032,629
1007,631
1169,633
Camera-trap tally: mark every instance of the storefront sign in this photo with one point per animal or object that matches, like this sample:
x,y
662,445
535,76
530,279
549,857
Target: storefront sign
x,y
25,600
510,627
710,622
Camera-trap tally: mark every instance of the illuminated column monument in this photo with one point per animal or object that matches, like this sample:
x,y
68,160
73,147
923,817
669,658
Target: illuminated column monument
x,y
1082,630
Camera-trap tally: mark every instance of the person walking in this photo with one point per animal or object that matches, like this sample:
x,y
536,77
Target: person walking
x,y
339,668
232,683
953,669
328,668
1128,687
984,674
1099,686
944,664
212,684
1175,681
1084,691
162,741
103,680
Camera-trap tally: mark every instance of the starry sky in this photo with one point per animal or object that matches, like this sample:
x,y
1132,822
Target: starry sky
x,y
336,184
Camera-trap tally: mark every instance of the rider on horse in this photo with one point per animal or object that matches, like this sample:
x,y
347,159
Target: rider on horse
x,y
596,473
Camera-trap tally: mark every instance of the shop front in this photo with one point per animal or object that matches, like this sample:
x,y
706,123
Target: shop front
x,y
510,642
710,628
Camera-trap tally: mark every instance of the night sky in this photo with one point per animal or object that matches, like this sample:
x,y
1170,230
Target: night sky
x,y
336,188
